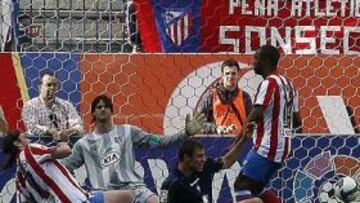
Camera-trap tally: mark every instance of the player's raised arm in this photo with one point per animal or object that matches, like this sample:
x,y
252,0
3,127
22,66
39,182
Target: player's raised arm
x,y
192,126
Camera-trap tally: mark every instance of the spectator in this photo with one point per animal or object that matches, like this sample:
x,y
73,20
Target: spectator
x,y
109,151
48,115
225,105
191,180
40,177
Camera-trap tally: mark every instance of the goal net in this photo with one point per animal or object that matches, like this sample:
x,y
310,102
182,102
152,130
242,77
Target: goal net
x,y
73,26
320,55
155,92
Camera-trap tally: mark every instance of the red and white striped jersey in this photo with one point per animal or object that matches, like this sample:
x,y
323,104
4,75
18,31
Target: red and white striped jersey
x,y
42,179
279,100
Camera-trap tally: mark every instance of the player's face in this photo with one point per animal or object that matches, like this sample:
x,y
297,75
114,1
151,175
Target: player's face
x,y
231,77
48,88
258,63
198,160
102,113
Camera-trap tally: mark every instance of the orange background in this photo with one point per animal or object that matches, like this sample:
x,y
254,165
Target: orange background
x,y
141,85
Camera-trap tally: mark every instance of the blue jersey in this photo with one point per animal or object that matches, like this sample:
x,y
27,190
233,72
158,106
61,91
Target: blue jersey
x,y
196,188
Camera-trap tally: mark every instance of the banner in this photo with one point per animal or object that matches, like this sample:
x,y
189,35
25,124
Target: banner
x,y
241,26
155,92
13,91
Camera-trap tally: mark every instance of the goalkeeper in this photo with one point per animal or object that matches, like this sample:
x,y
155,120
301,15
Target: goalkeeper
x,y
109,151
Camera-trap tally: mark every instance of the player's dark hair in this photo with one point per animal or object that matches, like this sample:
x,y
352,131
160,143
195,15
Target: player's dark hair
x,y
230,62
188,147
105,99
10,148
270,53
98,99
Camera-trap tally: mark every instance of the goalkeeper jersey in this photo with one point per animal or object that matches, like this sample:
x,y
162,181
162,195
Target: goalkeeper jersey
x,y
110,158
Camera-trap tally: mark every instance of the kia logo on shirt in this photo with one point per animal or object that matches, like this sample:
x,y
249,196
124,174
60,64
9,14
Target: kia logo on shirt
x,y
109,159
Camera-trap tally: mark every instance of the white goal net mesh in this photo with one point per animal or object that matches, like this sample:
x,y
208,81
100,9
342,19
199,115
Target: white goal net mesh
x,y
81,41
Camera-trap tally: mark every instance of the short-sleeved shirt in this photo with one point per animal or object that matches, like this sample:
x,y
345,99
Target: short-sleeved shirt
x,y
279,100
178,188
39,118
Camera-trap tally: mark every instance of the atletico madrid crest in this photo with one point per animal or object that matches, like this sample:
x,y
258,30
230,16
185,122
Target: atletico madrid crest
x,y
178,25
